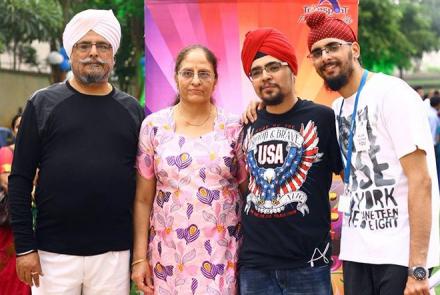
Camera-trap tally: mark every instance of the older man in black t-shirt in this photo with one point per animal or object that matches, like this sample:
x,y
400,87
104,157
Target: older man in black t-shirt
x,y
82,135
291,151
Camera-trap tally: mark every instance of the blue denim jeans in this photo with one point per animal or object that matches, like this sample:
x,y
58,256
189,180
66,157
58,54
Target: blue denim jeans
x,y
437,159
296,281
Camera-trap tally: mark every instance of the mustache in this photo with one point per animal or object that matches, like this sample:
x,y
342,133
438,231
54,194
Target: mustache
x,y
330,63
269,84
90,60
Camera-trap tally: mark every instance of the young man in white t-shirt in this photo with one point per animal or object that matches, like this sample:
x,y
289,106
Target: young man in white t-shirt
x,y
390,234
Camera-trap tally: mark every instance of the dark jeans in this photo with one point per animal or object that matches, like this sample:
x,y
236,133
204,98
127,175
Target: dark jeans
x,y
296,281
437,159
374,279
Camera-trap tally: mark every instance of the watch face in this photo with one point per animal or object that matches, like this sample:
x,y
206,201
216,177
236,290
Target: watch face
x,y
419,273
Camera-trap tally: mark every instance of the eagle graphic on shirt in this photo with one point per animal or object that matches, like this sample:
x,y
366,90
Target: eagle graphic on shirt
x,y
277,184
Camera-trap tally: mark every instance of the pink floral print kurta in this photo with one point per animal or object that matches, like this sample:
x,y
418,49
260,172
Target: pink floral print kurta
x,y
195,222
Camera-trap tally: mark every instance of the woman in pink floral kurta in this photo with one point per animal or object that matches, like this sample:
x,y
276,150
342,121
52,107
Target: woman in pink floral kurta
x,y
194,221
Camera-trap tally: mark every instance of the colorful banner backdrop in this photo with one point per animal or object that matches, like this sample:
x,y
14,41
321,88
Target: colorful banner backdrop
x,y
221,26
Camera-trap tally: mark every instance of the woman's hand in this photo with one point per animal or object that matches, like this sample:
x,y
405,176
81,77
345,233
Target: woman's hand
x,y
141,274
250,115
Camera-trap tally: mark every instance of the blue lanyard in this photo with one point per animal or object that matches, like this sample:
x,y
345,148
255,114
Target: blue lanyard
x,y
347,167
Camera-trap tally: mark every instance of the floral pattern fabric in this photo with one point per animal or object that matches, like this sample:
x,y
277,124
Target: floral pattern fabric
x,y
195,222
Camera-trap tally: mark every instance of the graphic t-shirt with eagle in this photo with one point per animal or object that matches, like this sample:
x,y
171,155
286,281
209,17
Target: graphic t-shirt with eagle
x,y
290,159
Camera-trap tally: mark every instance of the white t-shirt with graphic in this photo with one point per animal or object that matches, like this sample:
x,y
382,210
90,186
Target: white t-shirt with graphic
x,y
391,122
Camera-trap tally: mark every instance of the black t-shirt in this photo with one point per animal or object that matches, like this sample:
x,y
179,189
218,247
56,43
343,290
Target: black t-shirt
x,y
85,148
291,158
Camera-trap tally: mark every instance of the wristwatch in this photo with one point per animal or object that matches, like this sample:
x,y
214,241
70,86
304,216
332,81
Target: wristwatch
x,y
419,273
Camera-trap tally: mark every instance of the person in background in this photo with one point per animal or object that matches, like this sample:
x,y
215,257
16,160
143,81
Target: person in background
x,y
187,206
434,121
82,134
434,124
9,281
419,89
427,99
6,155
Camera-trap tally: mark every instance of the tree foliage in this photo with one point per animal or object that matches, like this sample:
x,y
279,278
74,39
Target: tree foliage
x,y
432,9
24,21
392,35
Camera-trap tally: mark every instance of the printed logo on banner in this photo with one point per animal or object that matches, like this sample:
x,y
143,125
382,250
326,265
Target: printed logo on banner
x,y
279,159
331,7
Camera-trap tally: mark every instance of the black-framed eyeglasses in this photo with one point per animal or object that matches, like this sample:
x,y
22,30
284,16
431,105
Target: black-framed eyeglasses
x,y
188,75
101,47
270,68
330,48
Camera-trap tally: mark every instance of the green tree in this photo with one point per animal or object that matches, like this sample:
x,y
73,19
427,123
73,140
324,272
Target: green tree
x,y
416,25
131,16
2,43
432,9
394,34
24,21
383,44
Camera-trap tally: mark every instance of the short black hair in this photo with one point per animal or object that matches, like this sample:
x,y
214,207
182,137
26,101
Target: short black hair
x,y
14,119
435,101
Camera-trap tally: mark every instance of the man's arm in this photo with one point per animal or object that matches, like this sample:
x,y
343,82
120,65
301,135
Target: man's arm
x,y
25,162
333,150
419,208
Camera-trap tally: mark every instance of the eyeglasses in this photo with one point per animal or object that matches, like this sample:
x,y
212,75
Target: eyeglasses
x,y
101,47
330,48
187,75
270,68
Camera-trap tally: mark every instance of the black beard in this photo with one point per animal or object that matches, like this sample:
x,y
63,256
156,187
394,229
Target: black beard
x,y
275,100
338,82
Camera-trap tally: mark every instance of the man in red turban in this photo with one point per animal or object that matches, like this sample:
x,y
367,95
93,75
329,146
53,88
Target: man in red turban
x,y
291,152
390,232
267,41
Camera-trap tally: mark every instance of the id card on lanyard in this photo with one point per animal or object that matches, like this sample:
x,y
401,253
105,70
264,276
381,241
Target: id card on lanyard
x,y
345,198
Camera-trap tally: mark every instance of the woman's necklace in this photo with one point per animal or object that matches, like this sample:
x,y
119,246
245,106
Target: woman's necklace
x,y
204,121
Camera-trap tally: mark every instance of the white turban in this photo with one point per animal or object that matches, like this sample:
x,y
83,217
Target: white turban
x,y
103,22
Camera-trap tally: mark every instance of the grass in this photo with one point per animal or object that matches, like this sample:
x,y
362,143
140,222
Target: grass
x,y
133,290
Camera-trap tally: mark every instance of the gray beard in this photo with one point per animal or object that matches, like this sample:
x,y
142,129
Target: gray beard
x,y
93,78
